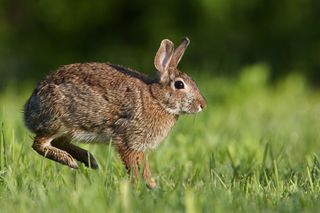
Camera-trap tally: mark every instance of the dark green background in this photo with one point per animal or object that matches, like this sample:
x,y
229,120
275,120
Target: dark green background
x,y
226,35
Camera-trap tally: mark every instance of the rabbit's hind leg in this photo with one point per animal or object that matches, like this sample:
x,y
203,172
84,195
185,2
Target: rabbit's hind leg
x,y
42,145
76,152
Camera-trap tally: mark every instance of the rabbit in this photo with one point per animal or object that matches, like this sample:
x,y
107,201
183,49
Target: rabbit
x,y
102,102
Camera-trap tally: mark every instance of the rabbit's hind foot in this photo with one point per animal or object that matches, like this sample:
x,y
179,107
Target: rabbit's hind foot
x,y
43,146
76,152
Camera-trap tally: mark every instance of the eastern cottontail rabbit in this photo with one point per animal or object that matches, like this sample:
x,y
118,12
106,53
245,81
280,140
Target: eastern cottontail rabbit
x,y
96,102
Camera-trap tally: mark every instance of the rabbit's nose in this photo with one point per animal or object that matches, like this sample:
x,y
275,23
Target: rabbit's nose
x,y
203,104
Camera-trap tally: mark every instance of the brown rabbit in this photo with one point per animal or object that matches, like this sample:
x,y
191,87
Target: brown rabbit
x,y
96,102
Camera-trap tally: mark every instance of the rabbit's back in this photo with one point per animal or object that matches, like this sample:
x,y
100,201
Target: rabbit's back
x,y
88,97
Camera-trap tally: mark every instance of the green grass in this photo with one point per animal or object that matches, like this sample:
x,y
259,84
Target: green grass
x,y
255,148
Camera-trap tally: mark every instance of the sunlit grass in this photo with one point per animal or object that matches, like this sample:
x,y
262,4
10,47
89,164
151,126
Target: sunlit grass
x,y
255,148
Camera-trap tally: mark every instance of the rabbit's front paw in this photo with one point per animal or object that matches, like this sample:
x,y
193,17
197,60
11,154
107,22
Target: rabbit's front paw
x,y
151,184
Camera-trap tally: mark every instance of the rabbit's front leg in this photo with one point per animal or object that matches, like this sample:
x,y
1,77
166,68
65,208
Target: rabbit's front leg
x,y
133,160
151,183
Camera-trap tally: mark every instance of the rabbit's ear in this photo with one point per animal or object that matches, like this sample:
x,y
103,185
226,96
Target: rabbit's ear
x,y
178,53
163,59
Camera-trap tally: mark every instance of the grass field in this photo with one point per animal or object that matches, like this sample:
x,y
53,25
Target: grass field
x,y
256,148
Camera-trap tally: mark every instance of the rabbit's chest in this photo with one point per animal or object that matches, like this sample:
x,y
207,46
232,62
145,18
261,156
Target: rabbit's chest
x,y
147,140
151,135
157,138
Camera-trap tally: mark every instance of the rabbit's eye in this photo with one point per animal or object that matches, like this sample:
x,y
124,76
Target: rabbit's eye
x,y
179,85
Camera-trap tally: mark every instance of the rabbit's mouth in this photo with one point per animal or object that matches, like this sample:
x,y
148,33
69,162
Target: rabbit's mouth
x,y
196,109
192,110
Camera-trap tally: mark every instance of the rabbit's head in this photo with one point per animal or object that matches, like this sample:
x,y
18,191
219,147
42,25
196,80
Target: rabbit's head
x,y
178,93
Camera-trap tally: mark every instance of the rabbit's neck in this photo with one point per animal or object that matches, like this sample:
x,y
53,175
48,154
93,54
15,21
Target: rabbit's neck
x,y
163,97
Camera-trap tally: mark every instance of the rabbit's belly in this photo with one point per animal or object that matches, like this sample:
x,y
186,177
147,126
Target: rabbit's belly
x,y
84,136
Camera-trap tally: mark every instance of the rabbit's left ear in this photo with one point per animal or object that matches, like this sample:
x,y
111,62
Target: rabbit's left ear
x,y
163,59
179,51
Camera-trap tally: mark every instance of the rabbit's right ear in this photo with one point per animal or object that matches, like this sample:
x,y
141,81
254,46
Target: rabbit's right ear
x,y
179,51
163,59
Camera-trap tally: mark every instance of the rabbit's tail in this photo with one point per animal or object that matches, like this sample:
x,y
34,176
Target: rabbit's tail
x,y
31,113
38,118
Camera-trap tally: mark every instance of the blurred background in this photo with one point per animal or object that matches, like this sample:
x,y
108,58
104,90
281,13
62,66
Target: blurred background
x,y
256,147
226,35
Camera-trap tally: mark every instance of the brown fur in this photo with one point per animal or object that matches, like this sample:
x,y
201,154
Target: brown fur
x,y
99,101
